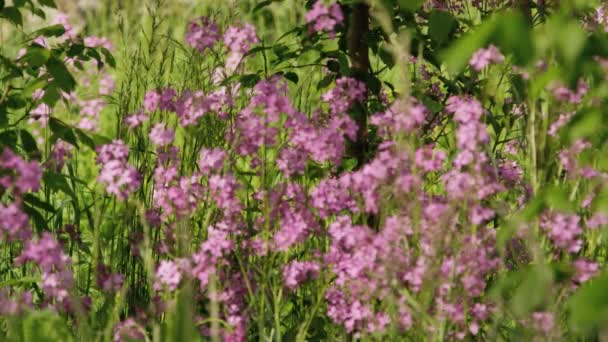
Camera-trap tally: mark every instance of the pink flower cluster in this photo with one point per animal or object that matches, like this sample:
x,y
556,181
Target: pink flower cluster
x,y
120,178
202,34
322,18
484,57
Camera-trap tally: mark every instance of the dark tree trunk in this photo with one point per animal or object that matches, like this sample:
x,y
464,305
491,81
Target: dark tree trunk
x,y
358,48
525,6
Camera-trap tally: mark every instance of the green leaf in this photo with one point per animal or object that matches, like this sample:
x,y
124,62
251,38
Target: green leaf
x,y
32,86
586,124
249,80
37,202
457,56
12,14
513,36
386,57
557,198
29,143
441,24
325,81
85,138
63,131
8,138
36,56
51,94
57,182
48,3
588,307
16,101
50,31
515,287
349,164
411,5
61,74
39,221
291,76
262,5
45,326
108,57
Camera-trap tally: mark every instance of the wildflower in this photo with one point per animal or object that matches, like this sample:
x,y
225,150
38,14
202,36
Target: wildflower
x,y
322,18
128,330
296,272
202,34
211,160
136,119
346,92
120,178
563,230
484,57
161,136
584,270
238,39
167,275
15,223
24,176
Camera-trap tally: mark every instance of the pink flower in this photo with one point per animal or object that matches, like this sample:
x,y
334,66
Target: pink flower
x,y
238,39
584,270
429,159
322,18
161,136
563,230
543,321
202,34
15,223
484,57
297,272
211,160
23,176
346,92
136,119
128,330
559,123
167,276
120,178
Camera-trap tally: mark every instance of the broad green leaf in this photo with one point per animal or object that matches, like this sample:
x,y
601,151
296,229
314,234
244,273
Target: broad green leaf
x,y
61,74
411,5
37,202
262,5
585,124
588,307
57,182
249,80
515,289
458,54
43,326
39,222
29,143
108,57
325,81
63,131
441,24
36,56
50,31
49,3
513,36
291,76
51,94
85,138
12,14
386,57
